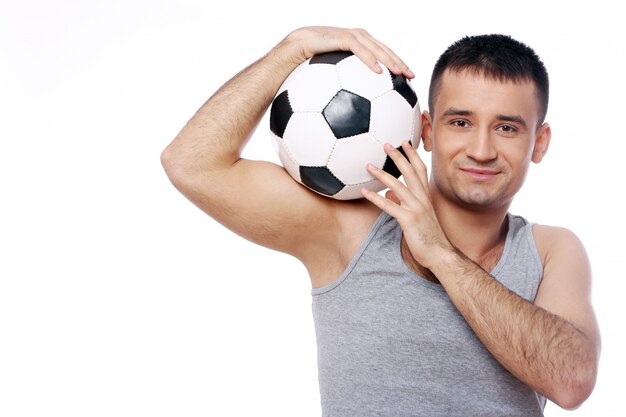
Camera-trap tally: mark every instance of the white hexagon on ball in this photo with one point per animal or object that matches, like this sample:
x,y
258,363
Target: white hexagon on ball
x,y
305,96
393,120
351,155
286,159
308,139
356,77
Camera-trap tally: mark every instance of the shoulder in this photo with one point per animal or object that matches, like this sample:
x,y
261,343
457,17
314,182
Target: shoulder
x,y
555,240
565,264
566,287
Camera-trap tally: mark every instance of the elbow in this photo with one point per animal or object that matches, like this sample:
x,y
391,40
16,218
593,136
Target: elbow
x,y
183,163
571,401
174,165
168,160
572,395
192,178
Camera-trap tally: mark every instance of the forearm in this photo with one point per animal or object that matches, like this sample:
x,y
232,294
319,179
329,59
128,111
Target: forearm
x,y
544,351
215,136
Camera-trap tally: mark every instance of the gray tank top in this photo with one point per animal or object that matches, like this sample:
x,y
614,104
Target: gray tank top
x,y
391,344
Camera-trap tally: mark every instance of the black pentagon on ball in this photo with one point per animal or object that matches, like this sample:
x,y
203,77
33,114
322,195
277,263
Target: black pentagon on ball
x,y
280,113
401,85
320,179
347,114
390,167
332,58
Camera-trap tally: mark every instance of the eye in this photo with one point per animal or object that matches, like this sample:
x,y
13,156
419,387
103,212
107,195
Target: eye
x,y
507,128
460,123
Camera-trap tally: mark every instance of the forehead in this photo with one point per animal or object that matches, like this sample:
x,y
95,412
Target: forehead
x,y
480,94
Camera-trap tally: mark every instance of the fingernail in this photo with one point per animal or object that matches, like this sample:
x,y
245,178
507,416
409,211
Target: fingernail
x,y
388,147
409,73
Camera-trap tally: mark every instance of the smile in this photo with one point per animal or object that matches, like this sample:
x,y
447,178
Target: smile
x,y
480,174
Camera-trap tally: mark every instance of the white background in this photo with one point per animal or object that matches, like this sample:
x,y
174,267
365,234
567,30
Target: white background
x,y
120,298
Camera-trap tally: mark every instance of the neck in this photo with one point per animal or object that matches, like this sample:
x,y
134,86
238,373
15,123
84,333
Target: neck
x,y
479,234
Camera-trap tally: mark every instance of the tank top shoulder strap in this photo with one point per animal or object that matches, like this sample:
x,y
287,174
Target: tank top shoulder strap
x,y
520,268
382,230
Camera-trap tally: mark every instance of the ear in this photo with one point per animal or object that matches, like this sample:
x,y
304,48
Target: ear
x,y
542,142
427,131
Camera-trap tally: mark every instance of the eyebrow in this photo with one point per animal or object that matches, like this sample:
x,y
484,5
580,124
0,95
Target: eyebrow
x,y
514,119
452,111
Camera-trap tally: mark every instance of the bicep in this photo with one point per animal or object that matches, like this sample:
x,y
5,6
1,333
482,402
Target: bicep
x,y
259,201
566,286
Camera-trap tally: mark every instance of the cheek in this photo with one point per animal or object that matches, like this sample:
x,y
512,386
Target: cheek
x,y
443,162
518,158
446,150
518,164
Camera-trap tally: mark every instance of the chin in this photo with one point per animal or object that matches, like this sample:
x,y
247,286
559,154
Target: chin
x,y
480,201
475,197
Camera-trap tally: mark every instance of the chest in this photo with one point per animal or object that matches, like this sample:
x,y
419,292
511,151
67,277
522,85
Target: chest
x,y
401,339
488,261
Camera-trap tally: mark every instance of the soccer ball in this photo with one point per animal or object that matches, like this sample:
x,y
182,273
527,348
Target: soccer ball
x,y
332,116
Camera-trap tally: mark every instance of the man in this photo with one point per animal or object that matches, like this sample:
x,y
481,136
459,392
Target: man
x,y
432,300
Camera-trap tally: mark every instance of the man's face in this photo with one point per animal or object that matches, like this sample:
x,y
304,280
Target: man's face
x,y
483,135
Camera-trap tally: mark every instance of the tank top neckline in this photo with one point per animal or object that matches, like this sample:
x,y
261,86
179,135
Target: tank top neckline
x,y
438,287
382,219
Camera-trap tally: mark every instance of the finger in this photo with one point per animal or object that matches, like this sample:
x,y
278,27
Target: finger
x,y
364,46
382,203
394,63
400,191
376,50
417,163
368,57
390,195
406,169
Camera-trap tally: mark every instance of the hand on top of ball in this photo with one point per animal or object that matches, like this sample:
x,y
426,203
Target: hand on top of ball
x,y
411,205
314,40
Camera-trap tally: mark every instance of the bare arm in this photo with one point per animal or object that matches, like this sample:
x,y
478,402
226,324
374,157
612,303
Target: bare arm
x,y
552,345
204,161
255,199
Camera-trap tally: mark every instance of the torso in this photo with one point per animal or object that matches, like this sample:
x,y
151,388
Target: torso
x,y
380,324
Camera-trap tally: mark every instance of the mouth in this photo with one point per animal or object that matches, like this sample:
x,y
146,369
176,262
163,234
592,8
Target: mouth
x,y
480,174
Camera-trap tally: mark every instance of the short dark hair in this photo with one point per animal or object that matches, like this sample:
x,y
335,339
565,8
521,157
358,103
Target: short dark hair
x,y
496,56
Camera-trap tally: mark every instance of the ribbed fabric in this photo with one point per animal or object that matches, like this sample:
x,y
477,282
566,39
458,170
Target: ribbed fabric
x,y
391,344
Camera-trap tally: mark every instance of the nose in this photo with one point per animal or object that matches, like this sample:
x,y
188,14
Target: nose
x,y
481,147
